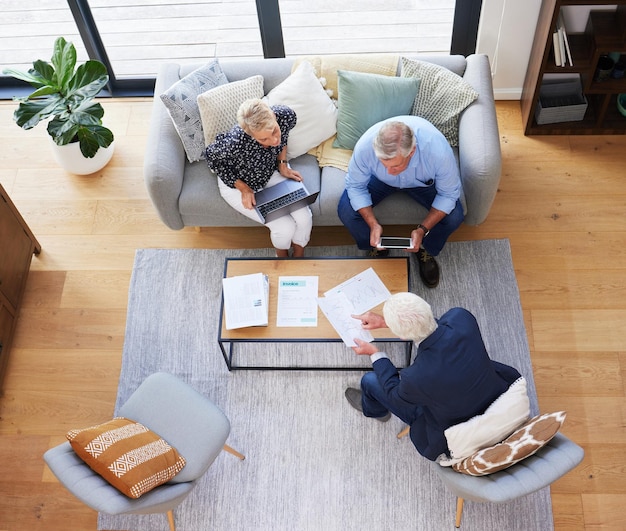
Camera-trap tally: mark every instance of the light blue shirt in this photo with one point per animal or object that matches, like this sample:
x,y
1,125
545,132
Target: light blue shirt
x,y
433,160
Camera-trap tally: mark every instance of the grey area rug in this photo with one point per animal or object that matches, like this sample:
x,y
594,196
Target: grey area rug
x,y
312,462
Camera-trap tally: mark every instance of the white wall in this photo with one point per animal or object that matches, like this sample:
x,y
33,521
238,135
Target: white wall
x,y
505,33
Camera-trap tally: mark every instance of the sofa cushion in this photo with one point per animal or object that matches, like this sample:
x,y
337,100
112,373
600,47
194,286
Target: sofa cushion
x,y
442,96
128,455
302,91
219,106
522,443
182,105
366,99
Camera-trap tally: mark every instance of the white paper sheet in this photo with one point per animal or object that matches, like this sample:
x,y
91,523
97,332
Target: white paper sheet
x,y
364,291
297,301
338,310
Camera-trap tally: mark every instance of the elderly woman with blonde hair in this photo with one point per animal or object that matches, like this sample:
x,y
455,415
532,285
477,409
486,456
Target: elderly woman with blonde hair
x,y
252,156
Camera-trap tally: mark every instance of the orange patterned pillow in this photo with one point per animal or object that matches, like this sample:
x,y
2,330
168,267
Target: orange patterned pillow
x,y
127,454
522,443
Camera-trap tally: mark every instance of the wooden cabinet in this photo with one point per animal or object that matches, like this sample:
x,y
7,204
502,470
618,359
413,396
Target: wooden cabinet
x,y
605,33
17,245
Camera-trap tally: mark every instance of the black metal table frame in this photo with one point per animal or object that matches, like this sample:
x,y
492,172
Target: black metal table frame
x,y
228,356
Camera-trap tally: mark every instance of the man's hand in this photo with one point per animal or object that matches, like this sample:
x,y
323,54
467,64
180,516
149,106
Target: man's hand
x,y
376,232
364,348
417,236
371,320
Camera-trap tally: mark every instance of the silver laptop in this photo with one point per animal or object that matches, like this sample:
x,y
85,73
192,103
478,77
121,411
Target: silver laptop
x,y
281,199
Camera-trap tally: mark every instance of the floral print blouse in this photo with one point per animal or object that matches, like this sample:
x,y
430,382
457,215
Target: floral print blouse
x,y
236,155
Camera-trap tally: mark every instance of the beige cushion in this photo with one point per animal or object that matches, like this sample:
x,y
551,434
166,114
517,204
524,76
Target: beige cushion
x,y
442,96
521,444
303,92
127,454
505,414
219,106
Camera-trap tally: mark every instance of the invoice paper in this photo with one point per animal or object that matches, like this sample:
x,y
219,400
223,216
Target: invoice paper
x,y
297,301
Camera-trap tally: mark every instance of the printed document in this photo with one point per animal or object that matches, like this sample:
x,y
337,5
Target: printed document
x,y
364,291
246,300
338,310
353,297
297,301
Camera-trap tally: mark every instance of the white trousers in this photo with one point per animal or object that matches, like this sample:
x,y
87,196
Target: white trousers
x,y
292,228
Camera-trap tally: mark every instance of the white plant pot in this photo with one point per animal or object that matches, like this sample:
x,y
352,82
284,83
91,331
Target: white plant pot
x,y
72,160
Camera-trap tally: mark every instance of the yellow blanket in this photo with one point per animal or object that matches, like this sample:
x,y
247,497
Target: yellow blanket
x,y
326,66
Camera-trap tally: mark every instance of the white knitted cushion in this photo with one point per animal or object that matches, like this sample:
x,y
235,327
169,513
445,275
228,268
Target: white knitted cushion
x,y
219,106
303,92
182,105
442,96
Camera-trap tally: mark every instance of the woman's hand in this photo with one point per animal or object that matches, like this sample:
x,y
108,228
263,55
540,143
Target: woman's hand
x,y
247,195
286,171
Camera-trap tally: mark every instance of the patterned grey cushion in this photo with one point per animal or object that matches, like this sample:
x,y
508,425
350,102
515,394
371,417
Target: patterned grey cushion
x,y
181,102
442,96
219,106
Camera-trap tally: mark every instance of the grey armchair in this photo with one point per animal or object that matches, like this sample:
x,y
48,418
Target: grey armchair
x,y
179,414
540,470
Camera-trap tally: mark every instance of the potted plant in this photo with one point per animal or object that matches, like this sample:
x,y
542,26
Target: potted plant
x,y
65,95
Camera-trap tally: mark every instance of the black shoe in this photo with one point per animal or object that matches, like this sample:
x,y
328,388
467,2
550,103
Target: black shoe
x,y
377,253
428,267
354,399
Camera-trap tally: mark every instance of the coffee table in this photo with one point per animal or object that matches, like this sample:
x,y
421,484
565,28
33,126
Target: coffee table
x,y
331,271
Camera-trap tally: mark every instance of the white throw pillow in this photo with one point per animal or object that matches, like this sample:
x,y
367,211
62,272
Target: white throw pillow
x,y
505,414
303,92
219,106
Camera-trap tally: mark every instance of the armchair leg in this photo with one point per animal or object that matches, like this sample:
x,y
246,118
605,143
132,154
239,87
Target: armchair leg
x,y
234,452
404,432
459,512
170,519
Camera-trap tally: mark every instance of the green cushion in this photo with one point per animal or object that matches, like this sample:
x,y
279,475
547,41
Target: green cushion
x,y
366,99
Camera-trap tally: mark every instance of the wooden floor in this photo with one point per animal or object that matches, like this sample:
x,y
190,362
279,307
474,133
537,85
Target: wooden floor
x,y
561,203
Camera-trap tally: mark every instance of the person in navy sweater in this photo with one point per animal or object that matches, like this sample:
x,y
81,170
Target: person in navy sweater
x,y
451,379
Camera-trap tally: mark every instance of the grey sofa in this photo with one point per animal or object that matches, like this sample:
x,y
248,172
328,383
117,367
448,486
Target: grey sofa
x,y
186,194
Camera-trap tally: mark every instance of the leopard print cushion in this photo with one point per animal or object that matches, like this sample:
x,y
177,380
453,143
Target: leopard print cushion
x,y
522,443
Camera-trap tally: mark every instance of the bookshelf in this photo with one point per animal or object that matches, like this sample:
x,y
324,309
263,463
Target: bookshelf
x,y
605,33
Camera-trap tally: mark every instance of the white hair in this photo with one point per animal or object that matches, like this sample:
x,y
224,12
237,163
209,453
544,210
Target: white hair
x,y
409,316
394,138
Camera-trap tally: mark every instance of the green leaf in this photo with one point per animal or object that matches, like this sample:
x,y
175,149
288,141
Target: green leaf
x,y
64,61
30,113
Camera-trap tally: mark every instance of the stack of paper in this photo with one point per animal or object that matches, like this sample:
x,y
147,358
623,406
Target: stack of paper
x,y
246,300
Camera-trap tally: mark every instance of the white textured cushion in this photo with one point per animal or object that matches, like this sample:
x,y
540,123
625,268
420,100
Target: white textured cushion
x,y
303,92
219,106
442,96
182,105
507,413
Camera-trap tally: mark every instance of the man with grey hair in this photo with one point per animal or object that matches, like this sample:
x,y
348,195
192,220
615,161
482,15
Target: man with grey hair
x,y
451,379
404,154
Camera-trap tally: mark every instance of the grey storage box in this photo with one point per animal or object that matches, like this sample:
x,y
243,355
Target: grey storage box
x,y
561,101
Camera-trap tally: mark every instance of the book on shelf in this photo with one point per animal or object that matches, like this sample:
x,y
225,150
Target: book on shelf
x,y
562,52
246,300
